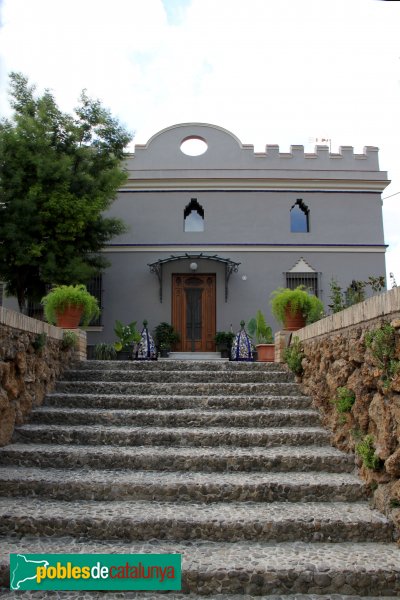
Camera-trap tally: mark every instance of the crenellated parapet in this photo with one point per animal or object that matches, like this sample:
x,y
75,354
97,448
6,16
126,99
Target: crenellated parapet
x,y
321,152
225,159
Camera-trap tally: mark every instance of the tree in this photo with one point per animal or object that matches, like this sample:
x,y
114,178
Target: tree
x,y
58,174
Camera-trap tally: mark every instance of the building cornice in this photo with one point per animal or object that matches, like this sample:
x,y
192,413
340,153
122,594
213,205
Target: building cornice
x,y
259,184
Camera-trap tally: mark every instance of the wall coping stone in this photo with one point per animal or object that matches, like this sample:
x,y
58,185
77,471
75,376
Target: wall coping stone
x,y
386,304
11,318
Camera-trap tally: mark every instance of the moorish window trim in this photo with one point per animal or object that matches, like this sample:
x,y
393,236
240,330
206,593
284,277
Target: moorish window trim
x,y
193,217
299,217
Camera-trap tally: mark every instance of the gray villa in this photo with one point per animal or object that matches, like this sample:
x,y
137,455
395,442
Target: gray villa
x,y
211,235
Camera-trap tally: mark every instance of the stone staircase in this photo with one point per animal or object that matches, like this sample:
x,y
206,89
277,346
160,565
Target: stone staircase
x,y
223,462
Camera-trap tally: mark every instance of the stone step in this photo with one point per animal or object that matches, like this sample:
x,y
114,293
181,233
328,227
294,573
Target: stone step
x,y
178,365
154,376
7,595
91,484
172,436
148,458
187,389
253,568
175,418
218,522
152,402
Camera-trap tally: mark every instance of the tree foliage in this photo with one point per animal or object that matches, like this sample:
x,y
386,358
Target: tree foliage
x,y
58,174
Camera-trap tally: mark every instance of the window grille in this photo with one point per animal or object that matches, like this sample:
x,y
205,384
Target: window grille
x,y
95,287
311,281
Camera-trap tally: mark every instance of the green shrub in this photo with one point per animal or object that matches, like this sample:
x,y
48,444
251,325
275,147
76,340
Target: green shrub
x,y
70,340
105,351
39,342
224,338
165,336
366,450
344,400
258,328
382,343
336,297
127,334
293,356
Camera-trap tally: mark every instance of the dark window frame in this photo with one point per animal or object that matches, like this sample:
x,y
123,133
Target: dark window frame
x,y
299,205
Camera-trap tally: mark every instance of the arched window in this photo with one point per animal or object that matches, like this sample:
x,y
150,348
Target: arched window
x,y
299,218
193,216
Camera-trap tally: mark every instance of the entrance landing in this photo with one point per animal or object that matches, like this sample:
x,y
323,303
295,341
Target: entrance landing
x,y
196,356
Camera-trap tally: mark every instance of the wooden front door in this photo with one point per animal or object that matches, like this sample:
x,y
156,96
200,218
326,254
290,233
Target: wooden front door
x,y
193,311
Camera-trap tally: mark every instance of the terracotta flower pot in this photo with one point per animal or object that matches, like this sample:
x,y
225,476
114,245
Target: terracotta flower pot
x,y
70,317
293,322
265,352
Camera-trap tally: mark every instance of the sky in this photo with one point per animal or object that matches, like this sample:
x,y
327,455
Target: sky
x,y
270,71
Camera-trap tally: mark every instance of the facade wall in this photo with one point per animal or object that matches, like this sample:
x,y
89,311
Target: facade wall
x,y
131,292
257,217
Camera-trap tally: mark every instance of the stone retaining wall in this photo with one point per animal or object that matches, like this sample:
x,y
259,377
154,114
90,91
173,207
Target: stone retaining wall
x,y
336,355
28,372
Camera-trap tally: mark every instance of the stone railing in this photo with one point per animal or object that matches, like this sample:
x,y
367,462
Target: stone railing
x,y
335,355
30,363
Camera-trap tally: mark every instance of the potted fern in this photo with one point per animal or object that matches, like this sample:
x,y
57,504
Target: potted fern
x,y
295,308
69,305
262,332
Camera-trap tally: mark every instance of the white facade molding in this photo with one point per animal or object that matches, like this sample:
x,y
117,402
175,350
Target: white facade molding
x,y
242,248
302,266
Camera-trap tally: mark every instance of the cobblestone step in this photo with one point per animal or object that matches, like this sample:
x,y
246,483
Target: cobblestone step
x,y
169,402
160,376
170,436
186,389
253,568
6,595
233,522
176,418
91,484
178,365
276,459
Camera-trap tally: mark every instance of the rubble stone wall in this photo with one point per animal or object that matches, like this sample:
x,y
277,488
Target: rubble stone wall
x,y
27,370
336,356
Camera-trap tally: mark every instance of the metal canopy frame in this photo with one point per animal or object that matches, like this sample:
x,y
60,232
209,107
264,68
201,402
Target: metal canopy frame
x,y
230,267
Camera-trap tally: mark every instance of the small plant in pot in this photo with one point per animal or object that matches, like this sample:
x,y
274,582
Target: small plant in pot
x,y
165,338
128,337
223,341
69,305
262,332
104,351
295,308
